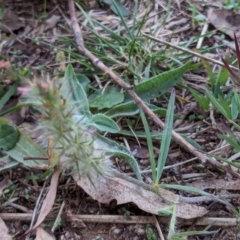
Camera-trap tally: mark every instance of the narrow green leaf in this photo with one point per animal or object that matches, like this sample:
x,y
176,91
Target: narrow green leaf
x,y
123,109
15,108
105,124
237,99
226,112
107,99
202,100
234,108
187,189
7,162
131,109
117,150
139,134
150,144
117,7
210,73
84,81
112,33
223,76
183,235
158,85
26,147
166,138
173,220
7,95
232,140
166,211
9,135
75,89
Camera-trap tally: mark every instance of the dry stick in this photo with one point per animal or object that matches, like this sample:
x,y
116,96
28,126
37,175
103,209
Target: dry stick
x,y
122,219
187,51
99,64
157,225
84,218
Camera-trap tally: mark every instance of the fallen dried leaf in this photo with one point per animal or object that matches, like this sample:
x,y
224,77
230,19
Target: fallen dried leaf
x,y
4,231
51,22
43,235
48,201
106,189
10,22
5,64
225,20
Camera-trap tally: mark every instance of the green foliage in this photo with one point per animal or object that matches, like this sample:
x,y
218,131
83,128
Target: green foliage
x,y
221,105
9,135
107,98
7,95
232,4
25,147
166,138
72,128
165,142
117,7
150,233
202,100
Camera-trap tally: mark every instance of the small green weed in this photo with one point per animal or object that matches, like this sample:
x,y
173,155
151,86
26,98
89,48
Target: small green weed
x,y
232,5
150,233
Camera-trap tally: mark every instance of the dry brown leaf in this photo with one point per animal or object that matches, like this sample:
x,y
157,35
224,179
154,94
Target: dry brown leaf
x,y
216,184
106,189
140,152
51,22
43,235
10,22
4,231
48,201
48,24
5,64
225,20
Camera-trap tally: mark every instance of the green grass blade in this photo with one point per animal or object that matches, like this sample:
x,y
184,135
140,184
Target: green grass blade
x,y
221,106
173,220
166,138
15,108
7,95
150,144
131,35
118,150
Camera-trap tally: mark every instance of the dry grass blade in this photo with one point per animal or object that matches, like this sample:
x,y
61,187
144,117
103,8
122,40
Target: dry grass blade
x,y
99,64
48,201
43,235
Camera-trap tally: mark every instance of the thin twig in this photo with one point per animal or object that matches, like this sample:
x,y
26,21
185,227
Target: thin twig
x,y
187,51
157,225
123,219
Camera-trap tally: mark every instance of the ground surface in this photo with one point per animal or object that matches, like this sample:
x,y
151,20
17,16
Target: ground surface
x,y
34,44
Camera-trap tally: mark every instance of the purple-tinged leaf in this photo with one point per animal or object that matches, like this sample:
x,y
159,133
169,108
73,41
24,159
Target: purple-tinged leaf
x,y
234,75
237,50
